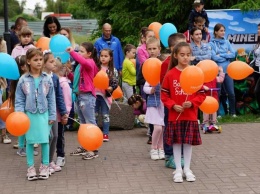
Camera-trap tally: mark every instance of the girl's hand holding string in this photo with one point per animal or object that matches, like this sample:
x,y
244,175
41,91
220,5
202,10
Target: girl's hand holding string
x,y
178,108
109,89
186,104
51,122
69,49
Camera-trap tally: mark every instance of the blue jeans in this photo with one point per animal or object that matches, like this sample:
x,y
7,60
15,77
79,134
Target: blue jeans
x,y
227,87
102,105
86,108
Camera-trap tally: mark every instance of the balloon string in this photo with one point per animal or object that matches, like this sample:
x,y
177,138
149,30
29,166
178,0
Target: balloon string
x,y
115,101
181,112
74,120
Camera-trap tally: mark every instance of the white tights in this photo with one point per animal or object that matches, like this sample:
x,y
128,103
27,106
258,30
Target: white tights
x,y
187,152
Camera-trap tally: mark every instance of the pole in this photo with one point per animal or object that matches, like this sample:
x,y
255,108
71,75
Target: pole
x,y
7,35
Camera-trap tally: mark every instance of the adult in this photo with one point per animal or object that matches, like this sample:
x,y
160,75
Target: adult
x,y
255,63
222,53
19,23
51,26
107,40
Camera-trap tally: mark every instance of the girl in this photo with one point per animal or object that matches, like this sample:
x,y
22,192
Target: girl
x,y
104,99
182,125
84,90
5,139
48,67
3,47
222,53
60,70
51,26
35,96
25,37
200,50
67,32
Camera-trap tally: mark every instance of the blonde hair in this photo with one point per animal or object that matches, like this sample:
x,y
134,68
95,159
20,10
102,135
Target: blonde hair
x,y
72,41
153,40
3,83
25,31
60,69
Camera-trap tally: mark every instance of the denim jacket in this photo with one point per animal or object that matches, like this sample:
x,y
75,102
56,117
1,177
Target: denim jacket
x,y
201,53
30,99
153,100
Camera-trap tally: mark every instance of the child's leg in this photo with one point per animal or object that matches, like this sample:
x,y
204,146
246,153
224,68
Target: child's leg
x,y
177,155
21,140
205,118
29,154
187,152
60,141
157,137
45,153
105,116
87,103
214,118
160,142
53,140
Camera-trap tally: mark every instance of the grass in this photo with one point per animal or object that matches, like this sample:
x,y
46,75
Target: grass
x,y
248,118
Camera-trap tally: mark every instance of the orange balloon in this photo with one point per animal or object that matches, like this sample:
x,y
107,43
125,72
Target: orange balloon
x,y
117,93
155,26
239,70
191,79
43,43
17,123
101,80
151,71
90,137
209,105
6,109
209,68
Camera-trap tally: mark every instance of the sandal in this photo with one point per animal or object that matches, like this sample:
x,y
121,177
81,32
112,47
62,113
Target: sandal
x,y
190,177
177,177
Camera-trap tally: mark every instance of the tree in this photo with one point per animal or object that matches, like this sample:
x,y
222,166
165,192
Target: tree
x,y
127,17
14,8
38,10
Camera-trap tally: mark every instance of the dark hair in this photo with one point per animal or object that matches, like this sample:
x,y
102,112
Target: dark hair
x,y
89,47
128,48
145,31
110,64
50,20
176,50
258,39
134,98
217,28
20,61
193,30
31,53
18,21
199,19
174,38
197,3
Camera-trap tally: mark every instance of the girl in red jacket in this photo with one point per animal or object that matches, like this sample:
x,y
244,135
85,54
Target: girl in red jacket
x,y
183,125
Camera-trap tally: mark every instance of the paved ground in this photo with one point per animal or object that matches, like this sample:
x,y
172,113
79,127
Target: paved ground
x,y
225,163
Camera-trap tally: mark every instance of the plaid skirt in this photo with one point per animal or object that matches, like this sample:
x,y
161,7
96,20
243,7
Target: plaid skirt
x,y
182,132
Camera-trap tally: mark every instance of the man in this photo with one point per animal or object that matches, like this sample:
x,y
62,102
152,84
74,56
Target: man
x,y
107,40
19,23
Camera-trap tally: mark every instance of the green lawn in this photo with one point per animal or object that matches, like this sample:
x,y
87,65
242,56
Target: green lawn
x,y
240,119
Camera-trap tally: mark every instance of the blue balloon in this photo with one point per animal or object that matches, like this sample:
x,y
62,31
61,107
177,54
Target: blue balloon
x,y
166,30
8,67
58,46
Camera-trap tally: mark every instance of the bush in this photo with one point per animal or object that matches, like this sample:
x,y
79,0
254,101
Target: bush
x,y
27,17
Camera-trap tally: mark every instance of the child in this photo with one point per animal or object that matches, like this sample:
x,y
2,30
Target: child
x,y
207,122
5,139
51,26
25,36
199,22
60,70
35,96
48,67
67,32
84,90
182,125
104,99
128,71
198,10
155,109
173,40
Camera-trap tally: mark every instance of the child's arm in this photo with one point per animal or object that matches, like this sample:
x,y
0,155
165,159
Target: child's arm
x,y
67,96
214,56
51,102
221,76
230,53
141,56
191,19
198,99
205,56
81,60
148,89
20,98
130,68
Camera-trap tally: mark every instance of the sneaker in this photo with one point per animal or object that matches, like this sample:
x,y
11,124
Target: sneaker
x,y
60,161
154,154
36,145
55,167
190,177
21,152
177,176
149,140
219,117
234,116
161,154
6,139
79,151
105,138
51,171
31,174
44,172
89,156
15,146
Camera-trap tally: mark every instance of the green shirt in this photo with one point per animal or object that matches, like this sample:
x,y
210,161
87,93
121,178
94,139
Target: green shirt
x,y
129,72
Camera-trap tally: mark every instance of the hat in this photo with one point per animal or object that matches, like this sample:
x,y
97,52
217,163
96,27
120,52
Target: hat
x,y
199,2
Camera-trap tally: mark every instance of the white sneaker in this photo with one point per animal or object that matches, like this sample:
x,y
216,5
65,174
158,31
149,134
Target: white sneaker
x,y
161,154
55,167
60,161
44,172
154,154
36,145
6,139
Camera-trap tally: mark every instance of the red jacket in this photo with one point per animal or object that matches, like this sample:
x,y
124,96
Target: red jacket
x,y
205,36
164,68
213,84
172,94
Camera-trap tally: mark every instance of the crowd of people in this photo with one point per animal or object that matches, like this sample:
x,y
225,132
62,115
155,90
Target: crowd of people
x,y
49,92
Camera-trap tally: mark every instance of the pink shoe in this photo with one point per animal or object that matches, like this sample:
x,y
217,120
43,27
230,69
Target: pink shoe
x,y
44,172
54,167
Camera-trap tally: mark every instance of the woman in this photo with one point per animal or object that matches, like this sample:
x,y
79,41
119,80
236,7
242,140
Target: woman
x,y
222,53
51,26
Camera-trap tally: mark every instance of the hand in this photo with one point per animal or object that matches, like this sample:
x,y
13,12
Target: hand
x,y
120,73
178,108
51,122
109,89
69,49
206,88
220,69
206,29
187,104
64,119
152,90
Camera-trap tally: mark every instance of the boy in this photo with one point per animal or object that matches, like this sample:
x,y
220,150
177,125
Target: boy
x,y
128,71
173,40
197,11
199,23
